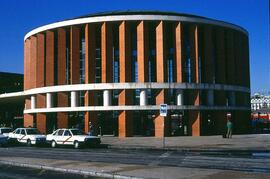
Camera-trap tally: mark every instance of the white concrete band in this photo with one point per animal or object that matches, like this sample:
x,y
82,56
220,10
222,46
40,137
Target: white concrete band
x,y
74,99
131,108
143,97
107,98
33,102
48,100
107,18
118,86
179,97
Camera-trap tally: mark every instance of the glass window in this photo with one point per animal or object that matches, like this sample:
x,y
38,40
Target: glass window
x,y
60,132
23,132
55,132
76,132
18,131
67,133
32,131
5,131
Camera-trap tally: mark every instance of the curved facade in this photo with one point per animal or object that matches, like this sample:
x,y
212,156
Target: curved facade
x,y
115,69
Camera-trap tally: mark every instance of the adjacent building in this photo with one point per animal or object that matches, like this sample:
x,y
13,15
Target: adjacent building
x,y
11,111
115,69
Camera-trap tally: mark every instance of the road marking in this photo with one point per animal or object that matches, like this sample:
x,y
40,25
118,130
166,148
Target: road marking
x,y
160,158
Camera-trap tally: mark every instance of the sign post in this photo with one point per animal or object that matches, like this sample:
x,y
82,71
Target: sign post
x,y
163,112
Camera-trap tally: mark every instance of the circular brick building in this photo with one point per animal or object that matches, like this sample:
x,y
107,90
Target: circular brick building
x,y
115,69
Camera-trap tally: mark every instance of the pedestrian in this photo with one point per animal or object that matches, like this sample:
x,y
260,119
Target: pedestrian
x,y
229,126
91,129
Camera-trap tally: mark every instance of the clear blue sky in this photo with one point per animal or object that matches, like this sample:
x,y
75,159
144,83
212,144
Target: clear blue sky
x,y
18,17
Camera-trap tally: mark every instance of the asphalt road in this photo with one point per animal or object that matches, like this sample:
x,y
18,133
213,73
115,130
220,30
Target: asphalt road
x,y
14,172
257,162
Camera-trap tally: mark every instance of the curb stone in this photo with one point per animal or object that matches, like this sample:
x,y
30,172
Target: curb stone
x,y
243,151
72,171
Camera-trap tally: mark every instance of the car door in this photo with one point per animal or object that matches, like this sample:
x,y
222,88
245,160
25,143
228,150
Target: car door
x,y
59,136
16,134
12,134
67,137
22,136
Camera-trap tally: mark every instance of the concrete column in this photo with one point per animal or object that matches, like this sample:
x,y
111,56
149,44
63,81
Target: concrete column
x,y
33,102
107,98
48,100
74,99
180,98
143,97
210,97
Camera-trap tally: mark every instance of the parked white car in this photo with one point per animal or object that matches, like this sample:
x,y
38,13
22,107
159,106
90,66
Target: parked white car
x,y
29,136
5,130
73,137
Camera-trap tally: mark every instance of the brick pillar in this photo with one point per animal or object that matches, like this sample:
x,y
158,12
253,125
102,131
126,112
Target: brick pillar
x,y
161,123
40,82
178,53
28,118
31,75
26,64
106,53
125,119
62,98
49,58
142,50
75,55
33,62
194,95
143,61
90,75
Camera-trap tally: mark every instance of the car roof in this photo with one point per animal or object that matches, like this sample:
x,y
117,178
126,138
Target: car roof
x,y
26,128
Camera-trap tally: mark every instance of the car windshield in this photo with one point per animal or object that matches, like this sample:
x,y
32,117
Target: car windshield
x,y
76,132
32,131
6,130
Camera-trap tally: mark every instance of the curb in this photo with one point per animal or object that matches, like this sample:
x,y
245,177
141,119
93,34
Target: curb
x,y
205,150
72,171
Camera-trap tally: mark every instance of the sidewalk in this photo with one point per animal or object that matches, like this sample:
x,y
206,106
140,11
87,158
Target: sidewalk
x,y
252,142
258,142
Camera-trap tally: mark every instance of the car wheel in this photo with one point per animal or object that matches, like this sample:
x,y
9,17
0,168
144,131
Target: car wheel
x,y
53,144
28,142
76,145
